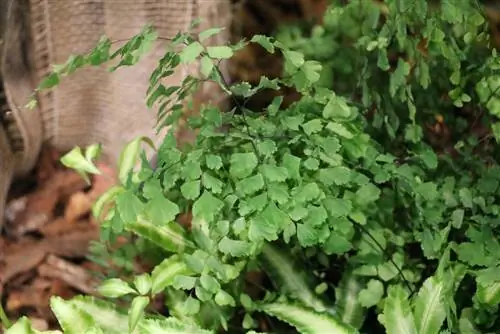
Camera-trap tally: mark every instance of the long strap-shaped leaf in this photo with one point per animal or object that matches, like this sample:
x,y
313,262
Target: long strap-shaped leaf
x,y
290,279
429,309
307,321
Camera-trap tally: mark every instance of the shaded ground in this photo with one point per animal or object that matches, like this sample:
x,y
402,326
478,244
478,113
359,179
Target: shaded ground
x,y
46,238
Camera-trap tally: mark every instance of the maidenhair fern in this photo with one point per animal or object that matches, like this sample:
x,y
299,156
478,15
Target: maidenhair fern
x,y
349,188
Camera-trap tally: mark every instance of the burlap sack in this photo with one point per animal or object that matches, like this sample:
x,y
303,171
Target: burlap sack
x,y
92,105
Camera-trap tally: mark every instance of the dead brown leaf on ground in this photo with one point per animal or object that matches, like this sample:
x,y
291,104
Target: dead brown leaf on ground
x,y
46,239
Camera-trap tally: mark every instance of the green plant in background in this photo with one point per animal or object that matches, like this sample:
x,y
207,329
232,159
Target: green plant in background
x,y
356,221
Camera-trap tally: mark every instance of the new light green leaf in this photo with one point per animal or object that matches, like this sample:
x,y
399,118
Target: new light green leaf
x,y
397,316
430,307
76,160
130,155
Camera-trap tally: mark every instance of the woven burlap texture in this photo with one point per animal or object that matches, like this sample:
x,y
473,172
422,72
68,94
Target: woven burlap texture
x,y
93,105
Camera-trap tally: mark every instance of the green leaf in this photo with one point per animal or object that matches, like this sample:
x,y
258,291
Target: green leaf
x,y
306,193
274,173
489,294
305,320
338,207
339,175
104,315
307,235
50,81
136,311
114,288
76,160
367,193
207,207
347,302
289,277
466,197
278,192
294,57
209,283
292,164
372,294
191,52
250,185
129,206
236,248
191,306
130,156
220,52
206,66
161,210
337,244
163,275
222,298
209,33
213,161
191,189
212,183
266,224
264,41
313,126
398,77
397,316
242,164
457,218
340,130
171,236
171,325
183,282
143,283
337,108
311,164
72,319
430,306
